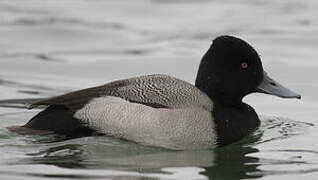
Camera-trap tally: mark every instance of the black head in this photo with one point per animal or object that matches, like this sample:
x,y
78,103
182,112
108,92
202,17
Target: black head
x,y
229,70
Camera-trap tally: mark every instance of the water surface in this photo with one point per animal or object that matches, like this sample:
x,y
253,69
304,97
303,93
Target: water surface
x,y
52,47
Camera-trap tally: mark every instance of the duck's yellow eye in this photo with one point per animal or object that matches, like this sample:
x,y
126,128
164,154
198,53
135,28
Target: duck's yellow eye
x,y
244,65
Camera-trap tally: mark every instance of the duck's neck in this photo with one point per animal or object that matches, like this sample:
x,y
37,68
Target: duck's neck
x,y
215,83
212,87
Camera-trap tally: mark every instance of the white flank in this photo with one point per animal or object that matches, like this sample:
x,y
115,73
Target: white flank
x,y
188,128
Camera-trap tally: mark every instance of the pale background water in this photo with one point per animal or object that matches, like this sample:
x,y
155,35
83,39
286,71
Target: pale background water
x,y
52,47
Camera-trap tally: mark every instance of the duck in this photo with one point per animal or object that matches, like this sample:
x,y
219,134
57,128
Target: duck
x,y
164,111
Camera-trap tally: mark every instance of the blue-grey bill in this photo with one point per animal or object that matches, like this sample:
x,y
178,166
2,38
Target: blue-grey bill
x,y
270,86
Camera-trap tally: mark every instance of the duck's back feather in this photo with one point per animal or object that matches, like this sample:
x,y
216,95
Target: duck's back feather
x,y
159,91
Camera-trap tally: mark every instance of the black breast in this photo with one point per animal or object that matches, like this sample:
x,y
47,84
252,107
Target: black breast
x,y
234,122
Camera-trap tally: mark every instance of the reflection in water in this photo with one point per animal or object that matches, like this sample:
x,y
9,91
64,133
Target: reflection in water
x,y
233,163
229,162
66,156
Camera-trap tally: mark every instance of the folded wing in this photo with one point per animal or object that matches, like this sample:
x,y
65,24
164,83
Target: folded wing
x,y
158,91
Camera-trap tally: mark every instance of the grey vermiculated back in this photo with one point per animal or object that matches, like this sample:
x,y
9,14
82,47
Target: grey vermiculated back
x,y
162,90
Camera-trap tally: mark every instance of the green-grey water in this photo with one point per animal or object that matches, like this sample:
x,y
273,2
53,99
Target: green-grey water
x,y
53,47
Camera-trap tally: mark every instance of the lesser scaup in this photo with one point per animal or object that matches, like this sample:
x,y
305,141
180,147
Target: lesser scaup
x,y
161,110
